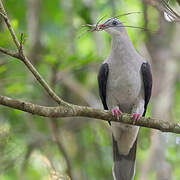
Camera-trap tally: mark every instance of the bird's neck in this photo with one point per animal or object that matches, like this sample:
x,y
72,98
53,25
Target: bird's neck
x,y
121,46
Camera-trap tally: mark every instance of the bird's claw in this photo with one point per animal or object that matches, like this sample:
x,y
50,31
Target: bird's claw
x,y
116,112
136,117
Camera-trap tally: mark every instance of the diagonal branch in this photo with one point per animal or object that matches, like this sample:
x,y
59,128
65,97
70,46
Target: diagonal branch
x,y
5,17
54,127
8,52
75,111
20,55
60,146
163,6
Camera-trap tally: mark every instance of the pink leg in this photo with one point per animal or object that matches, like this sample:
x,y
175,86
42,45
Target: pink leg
x,y
136,117
116,112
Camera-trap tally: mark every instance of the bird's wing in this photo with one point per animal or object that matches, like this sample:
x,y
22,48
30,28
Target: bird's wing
x,y
147,81
102,82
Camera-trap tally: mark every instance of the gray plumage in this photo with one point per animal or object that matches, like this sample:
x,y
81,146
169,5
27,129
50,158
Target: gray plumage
x,y
122,86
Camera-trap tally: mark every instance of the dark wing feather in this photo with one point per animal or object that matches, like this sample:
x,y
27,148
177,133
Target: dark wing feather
x,y
147,81
102,82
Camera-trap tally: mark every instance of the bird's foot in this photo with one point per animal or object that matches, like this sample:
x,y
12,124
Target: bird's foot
x,y
116,112
136,117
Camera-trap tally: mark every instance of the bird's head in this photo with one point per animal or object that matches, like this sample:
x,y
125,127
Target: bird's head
x,y
113,26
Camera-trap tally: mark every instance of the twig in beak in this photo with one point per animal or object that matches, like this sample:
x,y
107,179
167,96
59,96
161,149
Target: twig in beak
x,y
95,26
97,29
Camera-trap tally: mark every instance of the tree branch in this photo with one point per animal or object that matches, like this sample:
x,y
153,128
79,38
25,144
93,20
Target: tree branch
x,y
54,127
20,55
75,111
65,109
5,17
60,146
163,6
7,52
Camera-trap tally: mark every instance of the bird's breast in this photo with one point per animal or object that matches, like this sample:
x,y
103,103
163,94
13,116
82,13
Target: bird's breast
x,y
124,85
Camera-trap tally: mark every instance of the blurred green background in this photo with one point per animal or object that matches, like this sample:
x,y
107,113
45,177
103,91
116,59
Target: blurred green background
x,y
33,147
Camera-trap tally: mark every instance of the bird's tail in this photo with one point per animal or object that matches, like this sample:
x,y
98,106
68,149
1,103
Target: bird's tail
x,y
124,165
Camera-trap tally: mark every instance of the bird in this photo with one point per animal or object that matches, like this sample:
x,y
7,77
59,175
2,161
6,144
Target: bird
x,y
125,85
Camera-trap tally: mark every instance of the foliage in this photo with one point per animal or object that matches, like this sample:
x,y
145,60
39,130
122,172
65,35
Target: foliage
x,y
88,145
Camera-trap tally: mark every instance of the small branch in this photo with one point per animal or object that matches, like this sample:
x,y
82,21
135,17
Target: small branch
x,y
5,17
54,126
30,149
42,81
61,147
24,59
35,73
163,6
75,111
21,44
7,52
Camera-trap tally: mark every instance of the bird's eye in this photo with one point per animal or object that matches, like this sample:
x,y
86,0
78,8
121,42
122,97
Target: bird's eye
x,y
114,23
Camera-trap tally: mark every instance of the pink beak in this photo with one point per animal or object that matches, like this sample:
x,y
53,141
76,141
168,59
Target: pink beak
x,y
101,26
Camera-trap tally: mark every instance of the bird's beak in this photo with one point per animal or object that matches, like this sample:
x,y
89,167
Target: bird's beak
x,y
102,27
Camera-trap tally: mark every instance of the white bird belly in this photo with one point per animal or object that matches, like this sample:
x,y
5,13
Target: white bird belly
x,y
123,89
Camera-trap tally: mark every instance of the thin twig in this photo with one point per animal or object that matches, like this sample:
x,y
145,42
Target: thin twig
x,y
54,126
30,149
42,81
7,52
22,57
170,9
163,6
61,147
21,44
95,27
5,17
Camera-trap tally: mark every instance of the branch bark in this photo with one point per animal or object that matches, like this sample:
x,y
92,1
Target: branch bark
x,y
20,55
163,6
55,126
7,52
83,111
